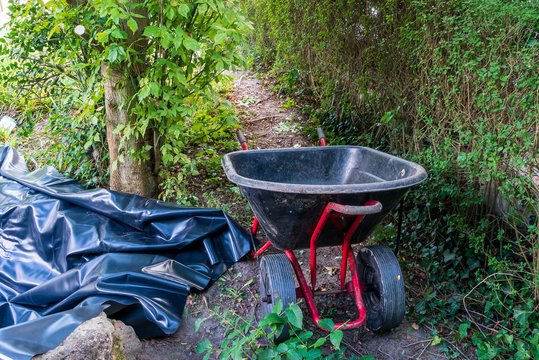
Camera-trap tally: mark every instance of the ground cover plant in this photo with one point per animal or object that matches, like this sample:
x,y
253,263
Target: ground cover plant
x,y
453,86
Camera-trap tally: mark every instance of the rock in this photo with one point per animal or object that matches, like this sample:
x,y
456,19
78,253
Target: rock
x,y
98,338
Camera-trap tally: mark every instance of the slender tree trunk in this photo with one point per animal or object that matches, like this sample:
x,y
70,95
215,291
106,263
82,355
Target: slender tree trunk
x,y
131,175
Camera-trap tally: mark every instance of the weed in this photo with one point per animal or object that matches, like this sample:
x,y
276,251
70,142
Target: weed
x,y
245,339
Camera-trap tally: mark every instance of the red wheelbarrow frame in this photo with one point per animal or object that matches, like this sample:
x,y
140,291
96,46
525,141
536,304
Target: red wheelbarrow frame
x,y
355,286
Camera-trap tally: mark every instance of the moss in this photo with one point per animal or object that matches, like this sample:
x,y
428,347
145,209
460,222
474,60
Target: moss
x,y
117,348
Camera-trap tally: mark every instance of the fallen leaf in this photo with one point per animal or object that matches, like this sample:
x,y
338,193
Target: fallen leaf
x,y
415,326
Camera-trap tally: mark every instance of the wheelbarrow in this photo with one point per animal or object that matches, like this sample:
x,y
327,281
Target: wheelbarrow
x,y
326,196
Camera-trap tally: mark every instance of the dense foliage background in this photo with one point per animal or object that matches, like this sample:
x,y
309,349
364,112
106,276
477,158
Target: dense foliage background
x,y
453,85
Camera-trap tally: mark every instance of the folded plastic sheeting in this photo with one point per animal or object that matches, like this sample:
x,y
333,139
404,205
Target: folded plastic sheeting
x,y
67,253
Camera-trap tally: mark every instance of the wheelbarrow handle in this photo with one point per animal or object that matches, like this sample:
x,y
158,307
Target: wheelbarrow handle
x,y
372,208
321,136
240,136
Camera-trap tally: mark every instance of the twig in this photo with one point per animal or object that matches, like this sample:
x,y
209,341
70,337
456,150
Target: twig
x,y
450,343
350,347
386,354
417,342
473,289
267,117
422,351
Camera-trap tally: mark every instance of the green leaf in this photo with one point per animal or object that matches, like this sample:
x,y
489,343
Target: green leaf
x,y
336,337
319,342
485,351
436,341
152,31
191,44
219,38
277,307
463,329
102,37
155,88
294,315
203,346
293,355
314,354
282,348
522,317
327,324
183,10
198,322
132,25
118,34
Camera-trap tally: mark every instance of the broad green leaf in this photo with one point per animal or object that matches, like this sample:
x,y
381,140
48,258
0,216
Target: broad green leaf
x,y
198,322
191,44
204,346
282,348
183,10
336,337
463,329
132,25
102,37
155,88
153,31
327,324
118,34
521,316
293,355
314,354
319,342
294,315
219,38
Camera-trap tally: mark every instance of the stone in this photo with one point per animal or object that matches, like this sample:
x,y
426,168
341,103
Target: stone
x,y
98,338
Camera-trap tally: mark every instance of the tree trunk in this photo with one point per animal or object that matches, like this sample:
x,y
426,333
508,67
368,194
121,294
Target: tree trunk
x,y
132,175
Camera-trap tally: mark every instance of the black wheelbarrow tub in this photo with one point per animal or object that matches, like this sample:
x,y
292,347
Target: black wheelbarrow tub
x,y
288,189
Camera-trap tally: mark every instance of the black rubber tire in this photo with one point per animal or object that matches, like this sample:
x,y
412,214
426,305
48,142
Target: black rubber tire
x,y
384,298
277,281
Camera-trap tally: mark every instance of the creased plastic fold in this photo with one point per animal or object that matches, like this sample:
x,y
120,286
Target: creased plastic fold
x,y
67,253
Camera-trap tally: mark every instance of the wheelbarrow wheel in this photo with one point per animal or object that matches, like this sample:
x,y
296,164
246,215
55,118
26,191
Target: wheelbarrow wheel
x,y
277,282
384,296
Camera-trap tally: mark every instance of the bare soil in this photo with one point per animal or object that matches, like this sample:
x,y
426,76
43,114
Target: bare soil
x,y
268,124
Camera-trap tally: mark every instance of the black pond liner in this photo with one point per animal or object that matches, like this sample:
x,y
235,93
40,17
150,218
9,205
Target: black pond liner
x,y
68,253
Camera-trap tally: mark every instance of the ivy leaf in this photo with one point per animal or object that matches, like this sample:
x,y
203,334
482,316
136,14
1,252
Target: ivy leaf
x,y
191,44
336,337
521,316
294,315
132,25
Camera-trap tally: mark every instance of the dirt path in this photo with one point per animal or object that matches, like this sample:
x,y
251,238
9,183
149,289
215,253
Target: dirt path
x,y
267,124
